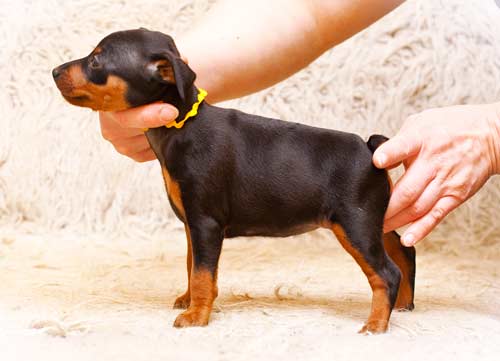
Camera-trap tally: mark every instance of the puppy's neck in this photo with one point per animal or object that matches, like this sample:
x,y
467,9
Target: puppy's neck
x,y
184,106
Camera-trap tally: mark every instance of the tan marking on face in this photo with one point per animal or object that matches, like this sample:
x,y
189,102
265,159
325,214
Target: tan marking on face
x,y
78,90
165,70
381,305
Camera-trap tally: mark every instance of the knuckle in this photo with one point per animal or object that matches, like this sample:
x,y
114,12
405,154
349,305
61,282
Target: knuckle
x,y
407,193
437,214
142,157
461,195
137,158
122,149
107,134
461,191
120,119
416,210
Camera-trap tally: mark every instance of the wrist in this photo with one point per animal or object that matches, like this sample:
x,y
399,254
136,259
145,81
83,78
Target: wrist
x,y
494,143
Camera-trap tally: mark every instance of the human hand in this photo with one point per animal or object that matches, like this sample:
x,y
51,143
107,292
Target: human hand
x,y
125,129
448,154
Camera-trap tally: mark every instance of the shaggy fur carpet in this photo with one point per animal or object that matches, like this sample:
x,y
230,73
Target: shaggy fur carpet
x,y
91,256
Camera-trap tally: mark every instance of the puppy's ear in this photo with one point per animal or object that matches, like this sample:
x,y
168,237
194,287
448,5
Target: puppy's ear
x,y
169,68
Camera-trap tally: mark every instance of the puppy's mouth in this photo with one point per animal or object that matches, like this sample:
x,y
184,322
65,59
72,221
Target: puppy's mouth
x,y
80,98
80,91
69,92
76,98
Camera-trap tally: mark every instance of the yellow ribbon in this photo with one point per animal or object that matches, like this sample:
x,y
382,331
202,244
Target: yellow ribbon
x,y
193,112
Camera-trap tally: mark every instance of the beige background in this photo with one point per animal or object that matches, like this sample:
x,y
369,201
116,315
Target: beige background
x,y
89,248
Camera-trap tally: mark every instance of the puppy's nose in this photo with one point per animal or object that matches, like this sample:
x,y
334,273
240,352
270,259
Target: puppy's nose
x,y
56,72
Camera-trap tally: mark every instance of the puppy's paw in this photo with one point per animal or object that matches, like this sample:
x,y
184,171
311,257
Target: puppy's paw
x,y
183,301
404,306
374,327
192,317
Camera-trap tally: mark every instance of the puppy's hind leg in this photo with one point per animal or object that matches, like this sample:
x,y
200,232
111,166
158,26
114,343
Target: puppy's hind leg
x,y
358,237
404,257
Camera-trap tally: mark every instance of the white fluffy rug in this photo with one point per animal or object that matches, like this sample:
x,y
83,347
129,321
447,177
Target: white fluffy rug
x,y
91,257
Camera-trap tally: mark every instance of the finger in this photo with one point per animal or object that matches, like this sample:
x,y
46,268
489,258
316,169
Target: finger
x,y
396,150
406,163
144,156
132,145
422,227
112,131
146,116
392,166
409,188
416,210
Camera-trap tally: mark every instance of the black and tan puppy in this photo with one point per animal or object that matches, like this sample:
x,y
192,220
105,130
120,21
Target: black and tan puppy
x,y
232,174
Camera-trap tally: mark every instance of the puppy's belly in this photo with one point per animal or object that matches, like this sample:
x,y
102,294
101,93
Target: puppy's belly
x,y
268,230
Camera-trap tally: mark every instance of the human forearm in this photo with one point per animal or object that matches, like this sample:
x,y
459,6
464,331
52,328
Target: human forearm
x,y
241,47
244,46
495,139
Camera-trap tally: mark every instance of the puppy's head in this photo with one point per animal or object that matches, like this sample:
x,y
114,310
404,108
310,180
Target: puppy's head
x,y
127,69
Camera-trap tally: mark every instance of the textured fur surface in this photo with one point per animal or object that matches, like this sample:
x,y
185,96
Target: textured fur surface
x,y
89,246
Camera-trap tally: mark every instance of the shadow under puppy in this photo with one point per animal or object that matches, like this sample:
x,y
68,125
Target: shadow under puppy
x,y
230,174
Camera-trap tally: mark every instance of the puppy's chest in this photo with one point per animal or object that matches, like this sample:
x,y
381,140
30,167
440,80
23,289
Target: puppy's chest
x,y
174,194
158,139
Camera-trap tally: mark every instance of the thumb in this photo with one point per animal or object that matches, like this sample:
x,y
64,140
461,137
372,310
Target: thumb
x,y
395,150
146,116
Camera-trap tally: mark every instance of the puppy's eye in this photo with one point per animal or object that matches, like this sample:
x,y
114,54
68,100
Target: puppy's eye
x,y
94,62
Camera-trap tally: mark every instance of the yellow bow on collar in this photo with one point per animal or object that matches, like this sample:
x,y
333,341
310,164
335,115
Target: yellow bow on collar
x,y
202,94
193,112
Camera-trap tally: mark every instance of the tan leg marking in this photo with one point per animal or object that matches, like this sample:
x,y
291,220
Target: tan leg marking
x,y
174,194
381,305
203,293
393,246
184,300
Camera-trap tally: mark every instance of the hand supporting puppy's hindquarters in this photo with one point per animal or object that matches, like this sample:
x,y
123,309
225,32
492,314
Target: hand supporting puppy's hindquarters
x,y
125,129
448,153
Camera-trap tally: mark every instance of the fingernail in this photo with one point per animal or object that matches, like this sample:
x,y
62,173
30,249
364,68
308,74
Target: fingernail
x,y
381,159
168,113
408,240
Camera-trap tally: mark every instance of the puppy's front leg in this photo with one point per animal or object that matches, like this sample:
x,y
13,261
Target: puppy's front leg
x,y
206,245
184,300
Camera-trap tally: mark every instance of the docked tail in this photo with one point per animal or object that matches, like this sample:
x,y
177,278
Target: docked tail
x,y
373,143
375,140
